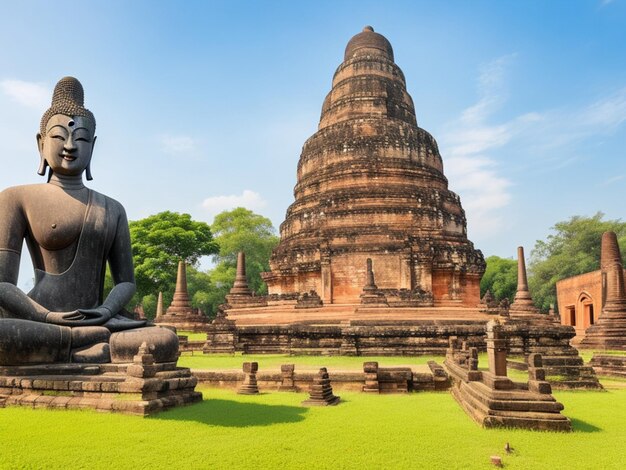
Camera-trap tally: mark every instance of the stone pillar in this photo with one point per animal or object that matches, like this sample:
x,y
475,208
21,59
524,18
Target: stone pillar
x,y
327,284
522,280
249,385
370,285
370,370
405,272
537,375
287,374
473,359
159,307
426,275
496,349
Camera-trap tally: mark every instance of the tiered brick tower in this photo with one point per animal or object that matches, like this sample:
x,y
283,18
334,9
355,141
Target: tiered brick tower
x,y
371,185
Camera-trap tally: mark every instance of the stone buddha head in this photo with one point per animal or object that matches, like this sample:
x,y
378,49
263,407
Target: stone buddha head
x,y
67,132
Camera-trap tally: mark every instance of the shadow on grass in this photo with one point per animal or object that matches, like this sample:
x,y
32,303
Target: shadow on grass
x,y
582,426
229,413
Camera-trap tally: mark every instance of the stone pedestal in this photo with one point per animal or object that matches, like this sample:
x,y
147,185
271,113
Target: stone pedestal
x,y
143,387
309,300
370,370
493,400
287,376
321,393
249,385
221,335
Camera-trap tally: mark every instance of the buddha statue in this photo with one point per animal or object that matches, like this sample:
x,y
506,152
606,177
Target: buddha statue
x,y
71,232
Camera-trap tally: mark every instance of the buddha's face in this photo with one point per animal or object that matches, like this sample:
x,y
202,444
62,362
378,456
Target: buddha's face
x,y
68,144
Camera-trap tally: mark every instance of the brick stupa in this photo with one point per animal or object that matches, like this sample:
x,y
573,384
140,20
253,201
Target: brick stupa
x,y
370,184
609,332
373,257
180,313
523,305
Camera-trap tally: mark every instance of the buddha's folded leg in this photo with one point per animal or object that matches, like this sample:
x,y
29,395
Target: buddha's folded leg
x,y
162,344
90,344
24,342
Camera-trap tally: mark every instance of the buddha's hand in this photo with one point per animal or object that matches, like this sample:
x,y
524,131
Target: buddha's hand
x,y
80,317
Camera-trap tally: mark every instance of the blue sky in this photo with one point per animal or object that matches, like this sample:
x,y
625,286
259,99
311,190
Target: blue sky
x,y
203,106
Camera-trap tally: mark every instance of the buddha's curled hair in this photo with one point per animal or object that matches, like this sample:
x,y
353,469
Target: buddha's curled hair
x,y
68,99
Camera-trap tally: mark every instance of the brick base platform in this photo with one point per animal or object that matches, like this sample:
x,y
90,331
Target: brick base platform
x,y
125,388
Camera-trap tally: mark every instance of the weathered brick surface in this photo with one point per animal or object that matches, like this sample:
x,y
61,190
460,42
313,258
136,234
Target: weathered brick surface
x,y
371,185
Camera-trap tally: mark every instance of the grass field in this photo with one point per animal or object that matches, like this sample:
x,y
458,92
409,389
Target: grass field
x,y
272,430
192,336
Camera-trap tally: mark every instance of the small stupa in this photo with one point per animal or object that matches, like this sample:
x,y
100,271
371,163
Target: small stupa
x,y
180,313
523,302
609,332
241,294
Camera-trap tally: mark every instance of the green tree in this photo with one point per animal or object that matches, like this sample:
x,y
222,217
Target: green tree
x,y
199,287
573,249
240,230
159,242
500,278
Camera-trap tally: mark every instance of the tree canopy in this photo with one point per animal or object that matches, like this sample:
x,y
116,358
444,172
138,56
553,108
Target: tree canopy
x,y
500,278
573,248
159,242
240,230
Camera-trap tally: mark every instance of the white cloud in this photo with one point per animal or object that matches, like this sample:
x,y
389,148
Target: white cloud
x,y
478,150
248,199
613,179
606,113
466,145
177,144
29,94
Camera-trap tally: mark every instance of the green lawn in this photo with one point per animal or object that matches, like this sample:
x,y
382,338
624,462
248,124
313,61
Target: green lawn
x,y
192,336
272,430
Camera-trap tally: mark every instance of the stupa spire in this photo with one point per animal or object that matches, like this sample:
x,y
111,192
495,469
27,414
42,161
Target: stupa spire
x,y
181,294
240,286
523,302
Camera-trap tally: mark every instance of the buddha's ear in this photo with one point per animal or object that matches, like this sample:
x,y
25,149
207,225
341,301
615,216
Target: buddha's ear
x,y
43,164
88,169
